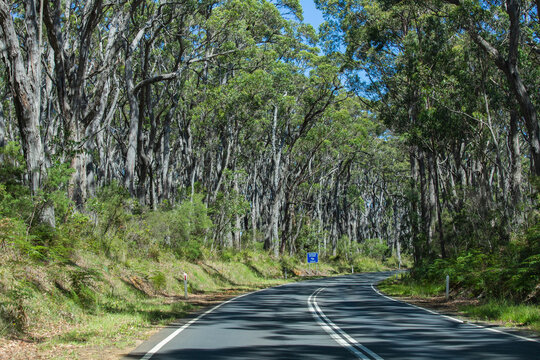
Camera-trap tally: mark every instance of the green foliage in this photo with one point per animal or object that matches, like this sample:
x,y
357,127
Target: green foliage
x,y
54,191
111,210
229,204
496,276
13,233
47,245
13,311
474,227
15,199
158,280
288,262
19,226
310,237
190,250
13,165
81,287
192,220
111,205
374,248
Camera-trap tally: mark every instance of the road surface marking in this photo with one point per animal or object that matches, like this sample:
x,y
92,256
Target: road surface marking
x,y
454,319
156,348
342,338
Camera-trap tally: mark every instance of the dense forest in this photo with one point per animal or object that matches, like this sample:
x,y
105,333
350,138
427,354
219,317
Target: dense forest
x,y
410,125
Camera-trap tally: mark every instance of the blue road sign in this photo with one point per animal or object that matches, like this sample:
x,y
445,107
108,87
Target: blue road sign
x,y
312,257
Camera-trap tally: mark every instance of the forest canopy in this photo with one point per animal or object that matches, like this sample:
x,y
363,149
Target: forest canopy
x,y
398,126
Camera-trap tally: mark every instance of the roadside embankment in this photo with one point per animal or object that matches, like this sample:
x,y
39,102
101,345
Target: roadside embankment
x,y
94,307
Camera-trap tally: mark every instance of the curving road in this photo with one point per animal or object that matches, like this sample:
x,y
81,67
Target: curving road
x,y
333,318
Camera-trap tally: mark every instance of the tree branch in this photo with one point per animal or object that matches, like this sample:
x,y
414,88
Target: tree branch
x,y
177,73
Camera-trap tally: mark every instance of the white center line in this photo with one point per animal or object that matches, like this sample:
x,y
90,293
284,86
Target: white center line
x,y
340,336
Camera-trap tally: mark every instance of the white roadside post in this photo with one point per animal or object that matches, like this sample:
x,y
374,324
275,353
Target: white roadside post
x,y
352,269
447,286
185,285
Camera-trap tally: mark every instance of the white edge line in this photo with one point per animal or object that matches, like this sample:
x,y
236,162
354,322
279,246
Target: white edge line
x,y
163,342
454,319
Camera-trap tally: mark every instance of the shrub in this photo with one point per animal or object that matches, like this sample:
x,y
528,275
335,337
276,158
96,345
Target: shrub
x,y
190,250
111,205
13,312
374,248
81,287
158,280
13,234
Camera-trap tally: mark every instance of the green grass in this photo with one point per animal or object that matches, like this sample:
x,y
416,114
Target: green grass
x,y
507,313
405,286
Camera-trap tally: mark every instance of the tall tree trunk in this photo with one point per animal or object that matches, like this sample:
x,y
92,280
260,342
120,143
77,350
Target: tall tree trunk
x,y
254,204
435,170
272,238
424,202
2,129
528,110
165,159
133,134
25,83
515,167
237,232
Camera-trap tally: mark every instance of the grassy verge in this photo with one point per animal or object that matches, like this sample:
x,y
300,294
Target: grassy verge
x,y
93,305
404,286
499,311
515,315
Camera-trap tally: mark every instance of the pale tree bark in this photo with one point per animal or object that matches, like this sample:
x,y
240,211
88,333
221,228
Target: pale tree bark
x,y
134,108
436,183
2,128
166,159
254,203
425,220
81,80
515,166
237,232
135,131
272,238
25,83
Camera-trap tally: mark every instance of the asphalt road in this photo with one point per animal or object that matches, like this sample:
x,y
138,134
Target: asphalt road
x,y
333,318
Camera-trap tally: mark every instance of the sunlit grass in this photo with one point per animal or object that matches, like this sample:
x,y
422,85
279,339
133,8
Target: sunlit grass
x,y
507,313
405,286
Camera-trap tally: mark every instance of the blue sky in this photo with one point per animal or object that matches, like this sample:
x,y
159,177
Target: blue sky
x,y
311,14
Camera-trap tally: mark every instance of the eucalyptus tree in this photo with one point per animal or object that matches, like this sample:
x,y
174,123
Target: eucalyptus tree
x,y
433,85
21,50
503,30
86,39
386,42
